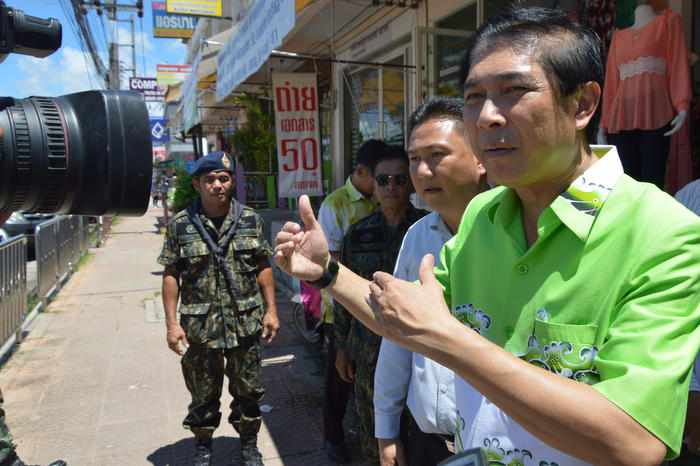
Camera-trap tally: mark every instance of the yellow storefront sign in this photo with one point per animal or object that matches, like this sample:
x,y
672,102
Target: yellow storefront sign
x,y
195,7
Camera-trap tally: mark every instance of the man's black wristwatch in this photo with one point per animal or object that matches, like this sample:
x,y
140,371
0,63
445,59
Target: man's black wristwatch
x,y
329,274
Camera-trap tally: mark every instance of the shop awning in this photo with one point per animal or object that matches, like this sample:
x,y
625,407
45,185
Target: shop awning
x,y
261,31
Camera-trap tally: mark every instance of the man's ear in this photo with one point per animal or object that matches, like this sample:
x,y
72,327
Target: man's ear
x,y
587,99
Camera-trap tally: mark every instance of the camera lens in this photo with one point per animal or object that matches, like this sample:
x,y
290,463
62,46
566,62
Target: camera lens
x,y
87,154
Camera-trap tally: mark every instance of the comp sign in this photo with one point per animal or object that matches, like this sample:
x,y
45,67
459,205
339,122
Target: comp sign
x,y
171,25
148,87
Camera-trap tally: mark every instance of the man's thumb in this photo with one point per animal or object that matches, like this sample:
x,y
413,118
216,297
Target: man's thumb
x,y
306,212
425,272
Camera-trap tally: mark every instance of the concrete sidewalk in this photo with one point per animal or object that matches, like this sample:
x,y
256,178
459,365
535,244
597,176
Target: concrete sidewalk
x,y
94,382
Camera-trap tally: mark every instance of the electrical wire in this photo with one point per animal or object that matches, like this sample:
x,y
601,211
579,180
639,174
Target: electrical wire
x,y
72,23
143,47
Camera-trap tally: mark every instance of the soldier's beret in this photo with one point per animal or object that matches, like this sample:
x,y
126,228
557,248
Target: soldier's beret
x,y
212,162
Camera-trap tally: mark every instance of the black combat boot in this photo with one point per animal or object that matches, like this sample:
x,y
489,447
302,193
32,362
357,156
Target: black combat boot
x,y
202,455
19,462
250,455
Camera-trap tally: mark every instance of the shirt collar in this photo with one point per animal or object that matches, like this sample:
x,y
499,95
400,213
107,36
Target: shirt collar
x,y
579,205
437,224
355,194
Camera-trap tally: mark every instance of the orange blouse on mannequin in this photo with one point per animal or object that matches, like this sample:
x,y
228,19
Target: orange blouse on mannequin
x,y
647,79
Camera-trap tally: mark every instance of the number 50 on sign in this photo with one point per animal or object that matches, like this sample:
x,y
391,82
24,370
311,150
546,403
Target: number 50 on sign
x,y
296,119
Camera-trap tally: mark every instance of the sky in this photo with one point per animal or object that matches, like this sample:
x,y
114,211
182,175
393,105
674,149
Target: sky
x,y
69,69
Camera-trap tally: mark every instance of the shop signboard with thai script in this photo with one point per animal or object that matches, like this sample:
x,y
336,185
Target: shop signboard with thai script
x,y
167,75
261,31
190,98
298,136
196,7
171,25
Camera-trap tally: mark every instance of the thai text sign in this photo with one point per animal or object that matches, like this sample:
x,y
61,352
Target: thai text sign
x,y
170,25
190,98
263,29
171,74
298,141
195,7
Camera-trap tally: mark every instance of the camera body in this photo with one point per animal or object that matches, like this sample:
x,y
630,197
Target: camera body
x,y
87,153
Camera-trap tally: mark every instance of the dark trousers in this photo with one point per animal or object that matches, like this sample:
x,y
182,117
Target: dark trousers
x,y
204,370
643,153
337,393
421,449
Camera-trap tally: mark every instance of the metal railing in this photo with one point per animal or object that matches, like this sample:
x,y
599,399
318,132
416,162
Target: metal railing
x,y
13,286
59,243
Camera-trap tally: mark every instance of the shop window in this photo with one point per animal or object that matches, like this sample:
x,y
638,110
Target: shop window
x,y
374,105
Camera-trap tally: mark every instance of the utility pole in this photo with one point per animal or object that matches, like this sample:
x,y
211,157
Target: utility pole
x,y
132,44
114,72
112,7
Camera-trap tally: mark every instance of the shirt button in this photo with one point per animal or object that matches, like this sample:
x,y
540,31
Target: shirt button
x,y
443,389
523,269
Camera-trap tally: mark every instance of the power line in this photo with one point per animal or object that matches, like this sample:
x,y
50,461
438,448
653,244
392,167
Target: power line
x,y
143,46
74,27
86,34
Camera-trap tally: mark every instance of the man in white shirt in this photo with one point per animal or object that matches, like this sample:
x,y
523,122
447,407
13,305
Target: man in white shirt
x,y
689,196
446,174
341,209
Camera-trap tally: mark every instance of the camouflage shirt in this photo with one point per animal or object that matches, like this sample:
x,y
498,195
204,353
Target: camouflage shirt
x,y
369,246
207,309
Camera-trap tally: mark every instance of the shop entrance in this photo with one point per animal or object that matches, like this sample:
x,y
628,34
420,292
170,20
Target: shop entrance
x,y
375,102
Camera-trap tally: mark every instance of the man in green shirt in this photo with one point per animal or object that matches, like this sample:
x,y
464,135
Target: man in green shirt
x,y
568,302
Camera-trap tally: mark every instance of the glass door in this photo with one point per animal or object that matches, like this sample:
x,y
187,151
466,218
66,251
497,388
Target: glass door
x,y
375,103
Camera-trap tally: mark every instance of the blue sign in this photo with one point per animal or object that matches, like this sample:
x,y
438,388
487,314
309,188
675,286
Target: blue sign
x,y
171,25
189,166
262,30
160,133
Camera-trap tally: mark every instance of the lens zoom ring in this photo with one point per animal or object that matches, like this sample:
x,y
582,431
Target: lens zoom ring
x,y
57,154
23,156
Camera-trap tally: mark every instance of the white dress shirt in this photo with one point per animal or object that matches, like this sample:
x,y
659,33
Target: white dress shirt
x,y
402,376
689,196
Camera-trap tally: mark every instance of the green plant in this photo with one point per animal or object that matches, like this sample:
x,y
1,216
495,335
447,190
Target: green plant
x,y
185,193
254,141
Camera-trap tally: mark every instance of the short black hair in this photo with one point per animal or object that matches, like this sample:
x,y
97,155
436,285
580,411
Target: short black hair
x,y
369,152
391,153
444,108
568,52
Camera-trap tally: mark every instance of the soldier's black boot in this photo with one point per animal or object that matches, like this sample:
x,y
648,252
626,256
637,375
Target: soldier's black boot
x,y
202,453
250,455
19,462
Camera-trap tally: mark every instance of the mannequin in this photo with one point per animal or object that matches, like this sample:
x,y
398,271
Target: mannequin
x,y
647,69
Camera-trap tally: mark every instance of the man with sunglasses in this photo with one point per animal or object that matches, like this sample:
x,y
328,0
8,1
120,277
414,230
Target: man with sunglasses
x,y
369,246
447,176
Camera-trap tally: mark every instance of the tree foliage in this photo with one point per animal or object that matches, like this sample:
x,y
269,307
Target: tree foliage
x,y
254,141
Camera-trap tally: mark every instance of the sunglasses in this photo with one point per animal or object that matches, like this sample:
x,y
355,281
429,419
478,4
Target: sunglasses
x,y
384,180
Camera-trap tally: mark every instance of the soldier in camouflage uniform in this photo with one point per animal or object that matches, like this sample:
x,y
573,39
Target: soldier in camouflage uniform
x,y
372,245
216,260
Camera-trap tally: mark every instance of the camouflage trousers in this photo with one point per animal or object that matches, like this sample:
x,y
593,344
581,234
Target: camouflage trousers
x,y
204,369
7,448
364,405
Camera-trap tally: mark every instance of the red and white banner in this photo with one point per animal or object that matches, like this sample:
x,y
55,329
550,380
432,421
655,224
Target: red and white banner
x,y
298,139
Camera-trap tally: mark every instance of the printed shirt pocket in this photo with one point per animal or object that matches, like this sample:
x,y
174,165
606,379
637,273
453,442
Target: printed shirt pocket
x,y
564,349
194,252
244,249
